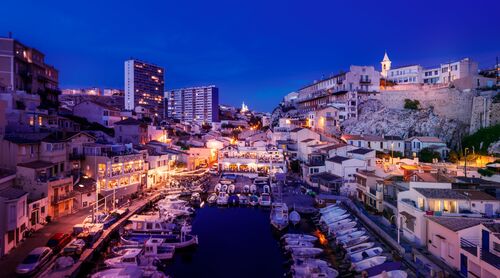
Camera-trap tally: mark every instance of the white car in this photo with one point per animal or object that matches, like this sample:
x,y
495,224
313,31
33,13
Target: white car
x,y
34,261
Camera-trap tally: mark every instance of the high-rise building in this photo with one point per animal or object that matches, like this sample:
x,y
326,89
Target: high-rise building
x,y
196,104
23,68
144,88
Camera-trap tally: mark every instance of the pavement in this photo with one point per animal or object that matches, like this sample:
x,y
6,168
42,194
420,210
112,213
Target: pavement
x,y
64,224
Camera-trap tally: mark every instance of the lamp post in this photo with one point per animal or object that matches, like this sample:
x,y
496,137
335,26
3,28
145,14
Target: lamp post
x,y
392,153
465,161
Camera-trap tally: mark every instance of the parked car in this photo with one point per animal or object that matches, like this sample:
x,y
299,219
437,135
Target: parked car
x,y
58,241
75,247
34,261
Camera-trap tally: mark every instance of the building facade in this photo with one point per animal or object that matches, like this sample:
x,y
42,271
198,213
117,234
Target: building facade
x,y
196,104
144,87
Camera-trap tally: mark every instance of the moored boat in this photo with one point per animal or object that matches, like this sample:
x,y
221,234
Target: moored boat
x,y
279,216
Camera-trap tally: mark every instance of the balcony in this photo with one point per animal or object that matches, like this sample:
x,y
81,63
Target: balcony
x,y
365,81
61,198
469,246
490,258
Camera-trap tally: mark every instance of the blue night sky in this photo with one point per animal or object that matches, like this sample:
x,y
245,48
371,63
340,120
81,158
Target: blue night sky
x,y
254,51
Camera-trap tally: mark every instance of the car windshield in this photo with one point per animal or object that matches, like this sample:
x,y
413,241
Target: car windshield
x,y
30,259
52,243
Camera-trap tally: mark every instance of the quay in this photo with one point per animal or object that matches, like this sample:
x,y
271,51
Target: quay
x,y
73,271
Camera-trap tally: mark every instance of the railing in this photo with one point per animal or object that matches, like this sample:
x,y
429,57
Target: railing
x,y
59,198
490,258
366,81
468,246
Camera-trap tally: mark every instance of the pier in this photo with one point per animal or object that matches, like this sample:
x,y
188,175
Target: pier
x,y
50,269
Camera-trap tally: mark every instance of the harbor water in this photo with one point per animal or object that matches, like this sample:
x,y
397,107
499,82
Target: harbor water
x,y
233,242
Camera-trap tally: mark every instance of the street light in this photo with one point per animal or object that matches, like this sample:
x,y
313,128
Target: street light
x,y
392,153
465,161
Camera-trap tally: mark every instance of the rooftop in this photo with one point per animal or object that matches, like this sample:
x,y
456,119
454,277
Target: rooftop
x,y
11,193
333,147
392,137
426,139
307,140
361,151
362,137
338,159
457,223
440,193
129,121
476,195
26,138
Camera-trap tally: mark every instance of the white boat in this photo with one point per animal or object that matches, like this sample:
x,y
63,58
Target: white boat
x,y
351,236
333,214
222,198
359,247
130,272
391,274
212,199
132,257
305,251
348,224
243,200
291,241
253,189
299,237
231,188
294,217
371,262
310,261
265,200
368,253
329,207
156,248
246,189
218,187
336,219
298,244
355,241
224,188
151,224
340,233
306,271
335,209
266,189
279,216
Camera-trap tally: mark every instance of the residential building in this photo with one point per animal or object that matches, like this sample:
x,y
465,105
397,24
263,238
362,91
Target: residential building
x,y
13,217
480,251
95,91
325,120
345,168
370,189
97,112
132,131
364,141
144,88
196,104
411,74
23,68
84,193
415,144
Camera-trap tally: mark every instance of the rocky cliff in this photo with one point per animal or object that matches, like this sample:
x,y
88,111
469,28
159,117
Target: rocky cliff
x,y
374,118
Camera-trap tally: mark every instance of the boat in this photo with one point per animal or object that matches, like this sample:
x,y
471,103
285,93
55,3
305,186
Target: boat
x,y
233,200
355,241
306,271
182,240
370,262
243,200
195,199
212,199
348,224
368,253
327,208
391,274
306,252
253,189
126,272
150,224
218,187
246,189
266,189
224,187
333,214
340,233
298,244
309,261
265,200
299,237
336,219
381,268
222,198
359,247
279,215
254,200
231,188
133,257
351,236
331,210
294,217
154,247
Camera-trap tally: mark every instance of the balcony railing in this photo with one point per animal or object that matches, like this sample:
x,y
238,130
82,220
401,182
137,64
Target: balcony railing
x,y
60,198
365,81
468,246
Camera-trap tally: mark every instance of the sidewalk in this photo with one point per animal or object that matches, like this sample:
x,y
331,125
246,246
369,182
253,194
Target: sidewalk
x,y
64,224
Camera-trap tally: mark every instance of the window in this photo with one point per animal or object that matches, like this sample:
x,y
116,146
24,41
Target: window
x,y
451,250
11,236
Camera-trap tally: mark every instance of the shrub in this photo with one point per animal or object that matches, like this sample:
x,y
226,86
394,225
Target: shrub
x,y
412,104
427,155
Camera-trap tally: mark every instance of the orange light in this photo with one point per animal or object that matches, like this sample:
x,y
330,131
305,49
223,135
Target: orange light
x,y
322,238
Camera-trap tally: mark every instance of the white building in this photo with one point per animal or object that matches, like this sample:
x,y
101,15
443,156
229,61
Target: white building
x,y
13,218
417,143
251,161
196,104
346,168
100,113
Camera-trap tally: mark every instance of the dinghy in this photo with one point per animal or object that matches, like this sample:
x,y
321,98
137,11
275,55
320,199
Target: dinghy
x,y
306,252
299,237
298,244
279,216
351,236
265,200
243,200
294,217
359,247
343,232
254,200
222,198
212,199
355,241
233,200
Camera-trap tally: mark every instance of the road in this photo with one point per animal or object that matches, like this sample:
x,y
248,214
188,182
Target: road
x,y
63,224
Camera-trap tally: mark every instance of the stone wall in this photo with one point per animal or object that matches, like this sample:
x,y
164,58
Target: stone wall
x,y
484,112
447,102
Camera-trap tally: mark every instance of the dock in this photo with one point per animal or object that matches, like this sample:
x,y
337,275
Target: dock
x,y
98,245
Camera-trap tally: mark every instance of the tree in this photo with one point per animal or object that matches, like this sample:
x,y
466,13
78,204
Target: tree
x,y
481,140
412,104
427,155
